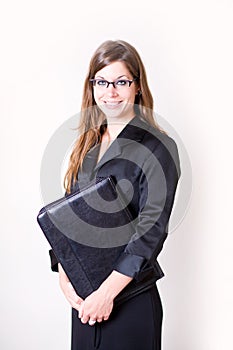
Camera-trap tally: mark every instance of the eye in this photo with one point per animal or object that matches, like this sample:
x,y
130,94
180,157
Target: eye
x,y
121,82
101,82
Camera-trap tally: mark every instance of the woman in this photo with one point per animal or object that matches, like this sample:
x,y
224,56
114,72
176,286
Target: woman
x,y
119,137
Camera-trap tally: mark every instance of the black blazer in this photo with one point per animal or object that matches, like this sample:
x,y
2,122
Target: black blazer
x,y
145,164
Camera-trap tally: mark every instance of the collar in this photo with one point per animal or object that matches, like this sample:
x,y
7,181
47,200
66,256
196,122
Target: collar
x,y
134,130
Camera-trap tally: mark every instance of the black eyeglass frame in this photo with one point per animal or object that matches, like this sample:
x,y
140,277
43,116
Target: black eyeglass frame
x,y
112,82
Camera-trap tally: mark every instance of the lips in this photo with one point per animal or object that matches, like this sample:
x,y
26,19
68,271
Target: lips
x,y
112,104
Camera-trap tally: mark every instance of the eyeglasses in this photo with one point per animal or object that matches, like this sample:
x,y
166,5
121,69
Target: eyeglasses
x,y
118,84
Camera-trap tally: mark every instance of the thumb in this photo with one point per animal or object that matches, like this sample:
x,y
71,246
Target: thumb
x,y
80,311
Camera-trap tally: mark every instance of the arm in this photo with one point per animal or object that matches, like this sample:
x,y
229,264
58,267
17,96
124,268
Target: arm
x,y
157,188
98,305
68,290
72,297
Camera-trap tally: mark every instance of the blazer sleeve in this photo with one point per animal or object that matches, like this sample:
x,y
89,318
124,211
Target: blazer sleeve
x,y
53,261
53,258
157,187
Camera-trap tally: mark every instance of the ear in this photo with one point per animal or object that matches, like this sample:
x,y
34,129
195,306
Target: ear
x,y
138,90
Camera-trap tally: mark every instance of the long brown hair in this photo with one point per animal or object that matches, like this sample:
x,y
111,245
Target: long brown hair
x,y
92,122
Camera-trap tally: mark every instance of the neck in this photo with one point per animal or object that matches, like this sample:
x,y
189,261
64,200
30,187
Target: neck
x,y
116,125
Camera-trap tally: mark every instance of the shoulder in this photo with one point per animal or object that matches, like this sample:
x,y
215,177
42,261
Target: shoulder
x,y
162,146
155,138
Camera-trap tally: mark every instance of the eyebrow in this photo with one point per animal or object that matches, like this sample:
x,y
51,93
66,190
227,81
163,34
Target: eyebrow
x,y
121,76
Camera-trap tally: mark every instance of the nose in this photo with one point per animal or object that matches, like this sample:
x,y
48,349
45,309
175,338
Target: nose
x,y
111,90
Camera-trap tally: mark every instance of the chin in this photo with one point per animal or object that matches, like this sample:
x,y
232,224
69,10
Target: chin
x,y
118,112
112,113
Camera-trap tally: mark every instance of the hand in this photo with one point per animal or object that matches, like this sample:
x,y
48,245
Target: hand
x,y
68,290
99,304
96,307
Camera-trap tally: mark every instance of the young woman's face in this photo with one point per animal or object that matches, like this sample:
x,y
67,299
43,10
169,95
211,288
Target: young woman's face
x,y
118,99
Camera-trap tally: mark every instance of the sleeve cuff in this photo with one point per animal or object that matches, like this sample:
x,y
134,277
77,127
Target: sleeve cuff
x,y
53,260
129,265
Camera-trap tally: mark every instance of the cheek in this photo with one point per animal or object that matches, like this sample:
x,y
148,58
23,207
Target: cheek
x,y
132,96
96,95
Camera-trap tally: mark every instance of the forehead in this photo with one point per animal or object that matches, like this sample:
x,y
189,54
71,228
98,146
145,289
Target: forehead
x,y
114,70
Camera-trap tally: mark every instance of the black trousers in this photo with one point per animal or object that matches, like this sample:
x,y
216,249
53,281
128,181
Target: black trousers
x,y
134,325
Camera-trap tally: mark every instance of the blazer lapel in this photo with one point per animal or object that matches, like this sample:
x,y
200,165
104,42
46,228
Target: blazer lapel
x,y
112,152
133,131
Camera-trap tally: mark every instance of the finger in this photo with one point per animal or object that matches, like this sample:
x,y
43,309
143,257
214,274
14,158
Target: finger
x,y
91,322
73,304
79,301
76,299
84,319
99,320
80,311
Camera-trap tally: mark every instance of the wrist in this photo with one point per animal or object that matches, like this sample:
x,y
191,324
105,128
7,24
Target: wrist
x,y
107,291
114,284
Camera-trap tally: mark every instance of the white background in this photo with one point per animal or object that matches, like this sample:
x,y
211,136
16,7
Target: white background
x,y
187,50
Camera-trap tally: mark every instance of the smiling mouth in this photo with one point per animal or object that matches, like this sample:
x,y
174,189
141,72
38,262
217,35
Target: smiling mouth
x,y
112,105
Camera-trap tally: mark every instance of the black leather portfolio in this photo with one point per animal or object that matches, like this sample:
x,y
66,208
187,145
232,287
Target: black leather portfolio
x,y
88,230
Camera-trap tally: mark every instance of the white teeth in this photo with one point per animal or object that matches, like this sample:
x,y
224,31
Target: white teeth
x,y
112,105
